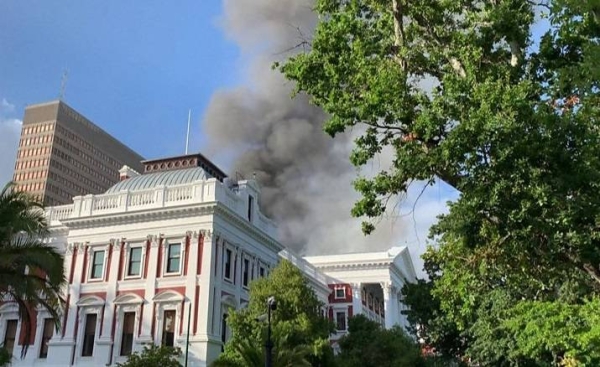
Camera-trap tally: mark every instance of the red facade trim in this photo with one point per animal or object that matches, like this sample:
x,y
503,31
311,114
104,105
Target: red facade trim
x,y
83,269
64,324
141,318
121,260
147,259
347,293
108,261
196,299
159,257
200,250
73,260
187,254
350,311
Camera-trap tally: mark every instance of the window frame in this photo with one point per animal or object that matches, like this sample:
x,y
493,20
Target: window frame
x,y
17,332
127,269
228,275
91,264
246,272
337,313
167,258
162,325
42,337
122,334
84,334
336,293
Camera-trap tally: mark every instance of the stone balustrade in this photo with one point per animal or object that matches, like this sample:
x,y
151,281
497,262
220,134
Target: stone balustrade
x,y
199,192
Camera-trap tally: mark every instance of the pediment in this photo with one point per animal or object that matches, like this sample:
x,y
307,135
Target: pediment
x,y
168,296
128,299
90,301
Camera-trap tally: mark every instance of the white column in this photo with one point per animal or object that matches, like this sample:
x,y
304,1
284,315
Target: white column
x,y
111,289
356,298
190,280
147,318
205,307
388,304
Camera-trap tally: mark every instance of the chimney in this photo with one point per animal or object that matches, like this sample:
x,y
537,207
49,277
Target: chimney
x,y
127,172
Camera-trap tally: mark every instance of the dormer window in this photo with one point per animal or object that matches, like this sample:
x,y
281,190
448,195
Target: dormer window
x,y
340,293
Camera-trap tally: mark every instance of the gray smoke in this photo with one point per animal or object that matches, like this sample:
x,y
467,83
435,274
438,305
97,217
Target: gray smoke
x,y
305,175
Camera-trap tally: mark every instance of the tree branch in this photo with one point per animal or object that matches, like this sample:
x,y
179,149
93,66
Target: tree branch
x,y
398,31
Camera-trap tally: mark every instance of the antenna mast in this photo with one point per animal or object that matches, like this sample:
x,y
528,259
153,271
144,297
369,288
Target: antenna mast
x,y
187,136
63,84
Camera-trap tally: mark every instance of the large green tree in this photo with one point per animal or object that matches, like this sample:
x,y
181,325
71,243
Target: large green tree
x,y
464,91
300,332
31,271
369,345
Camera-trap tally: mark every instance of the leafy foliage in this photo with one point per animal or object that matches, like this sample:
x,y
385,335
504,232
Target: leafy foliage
x,y
154,356
369,345
464,92
300,333
31,271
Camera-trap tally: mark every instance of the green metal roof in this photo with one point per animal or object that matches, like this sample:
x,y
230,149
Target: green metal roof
x,y
167,178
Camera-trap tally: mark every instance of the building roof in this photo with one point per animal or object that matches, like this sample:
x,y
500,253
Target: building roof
x,y
156,179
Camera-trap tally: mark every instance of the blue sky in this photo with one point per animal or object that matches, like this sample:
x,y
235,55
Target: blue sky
x,y
134,68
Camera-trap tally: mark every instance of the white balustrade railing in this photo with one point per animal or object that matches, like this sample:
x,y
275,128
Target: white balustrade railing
x,y
179,193
207,191
106,202
141,198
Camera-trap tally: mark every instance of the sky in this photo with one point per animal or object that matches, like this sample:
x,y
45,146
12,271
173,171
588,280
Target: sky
x,y
135,69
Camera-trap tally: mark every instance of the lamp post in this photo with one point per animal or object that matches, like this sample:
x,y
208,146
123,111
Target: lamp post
x,y
271,306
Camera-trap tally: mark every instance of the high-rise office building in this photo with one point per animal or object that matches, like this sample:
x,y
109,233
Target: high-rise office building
x,y
62,154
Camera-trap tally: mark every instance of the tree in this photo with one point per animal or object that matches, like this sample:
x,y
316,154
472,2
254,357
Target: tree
x,y
367,344
464,92
31,271
299,329
154,356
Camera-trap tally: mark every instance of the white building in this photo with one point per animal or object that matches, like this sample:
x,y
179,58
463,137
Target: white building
x,y
181,237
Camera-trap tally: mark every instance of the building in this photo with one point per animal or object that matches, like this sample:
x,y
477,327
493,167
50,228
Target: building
x,y
179,245
62,154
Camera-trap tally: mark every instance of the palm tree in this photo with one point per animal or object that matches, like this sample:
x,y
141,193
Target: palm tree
x,y
31,271
252,353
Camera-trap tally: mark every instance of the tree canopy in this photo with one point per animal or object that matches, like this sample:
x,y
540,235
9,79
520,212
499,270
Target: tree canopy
x,y
300,332
369,345
478,95
154,356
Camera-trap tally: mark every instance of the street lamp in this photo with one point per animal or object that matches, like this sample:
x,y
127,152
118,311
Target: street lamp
x,y
271,306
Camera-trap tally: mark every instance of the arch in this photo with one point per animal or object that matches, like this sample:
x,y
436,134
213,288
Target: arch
x,y
229,300
128,299
9,307
168,296
89,301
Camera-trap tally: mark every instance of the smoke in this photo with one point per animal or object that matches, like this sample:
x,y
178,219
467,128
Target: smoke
x,y
305,175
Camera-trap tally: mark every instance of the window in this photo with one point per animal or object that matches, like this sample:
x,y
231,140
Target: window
x,y
246,276
46,336
127,336
250,207
87,350
173,258
223,331
98,265
10,335
168,334
261,271
227,260
340,293
340,320
135,261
